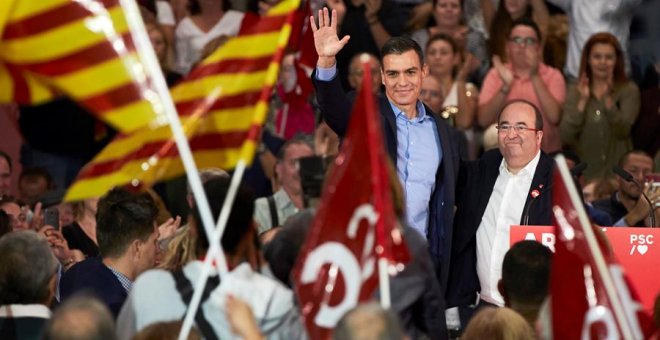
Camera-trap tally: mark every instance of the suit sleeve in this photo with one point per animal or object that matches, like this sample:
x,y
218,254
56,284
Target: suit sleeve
x,y
333,102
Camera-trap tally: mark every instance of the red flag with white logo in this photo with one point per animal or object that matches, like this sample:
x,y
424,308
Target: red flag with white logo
x,y
591,298
354,227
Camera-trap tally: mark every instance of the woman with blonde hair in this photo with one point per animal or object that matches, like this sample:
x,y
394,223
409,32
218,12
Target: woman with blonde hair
x,y
498,324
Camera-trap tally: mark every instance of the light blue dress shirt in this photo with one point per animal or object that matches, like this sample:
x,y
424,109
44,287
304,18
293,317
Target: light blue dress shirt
x,y
418,155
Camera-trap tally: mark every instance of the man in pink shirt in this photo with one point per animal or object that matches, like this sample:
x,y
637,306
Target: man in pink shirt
x,y
525,77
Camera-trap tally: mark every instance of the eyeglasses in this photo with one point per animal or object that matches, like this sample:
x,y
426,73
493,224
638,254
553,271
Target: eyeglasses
x,y
520,128
520,41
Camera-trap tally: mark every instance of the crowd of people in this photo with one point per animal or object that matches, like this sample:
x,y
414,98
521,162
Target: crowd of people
x,y
475,97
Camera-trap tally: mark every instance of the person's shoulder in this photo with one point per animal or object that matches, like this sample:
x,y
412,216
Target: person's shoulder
x,y
549,71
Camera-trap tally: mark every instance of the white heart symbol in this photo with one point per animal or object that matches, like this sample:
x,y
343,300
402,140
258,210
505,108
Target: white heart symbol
x,y
642,248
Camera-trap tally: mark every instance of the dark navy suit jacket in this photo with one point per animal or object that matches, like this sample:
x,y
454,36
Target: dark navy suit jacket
x,y
336,107
476,181
94,277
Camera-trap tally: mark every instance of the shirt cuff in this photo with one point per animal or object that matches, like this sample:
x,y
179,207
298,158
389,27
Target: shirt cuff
x,y
620,223
326,74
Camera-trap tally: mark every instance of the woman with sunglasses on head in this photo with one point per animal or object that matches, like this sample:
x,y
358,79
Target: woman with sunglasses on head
x,y
601,107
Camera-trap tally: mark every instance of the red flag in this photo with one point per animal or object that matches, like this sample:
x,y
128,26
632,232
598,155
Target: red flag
x,y
354,226
591,297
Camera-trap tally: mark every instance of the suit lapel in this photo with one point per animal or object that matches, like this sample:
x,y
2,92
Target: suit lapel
x,y
389,122
541,179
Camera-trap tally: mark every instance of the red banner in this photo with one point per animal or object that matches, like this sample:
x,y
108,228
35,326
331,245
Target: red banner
x,y
354,226
636,249
590,294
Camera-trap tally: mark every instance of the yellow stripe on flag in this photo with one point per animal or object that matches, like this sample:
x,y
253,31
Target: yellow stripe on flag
x,y
132,116
231,84
65,39
221,121
25,9
98,186
252,46
6,85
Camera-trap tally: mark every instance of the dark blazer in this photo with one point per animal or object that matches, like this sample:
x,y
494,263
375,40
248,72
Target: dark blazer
x,y
336,107
94,277
476,181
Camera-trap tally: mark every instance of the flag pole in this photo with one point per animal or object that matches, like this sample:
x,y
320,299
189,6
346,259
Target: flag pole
x,y
384,283
166,106
594,248
214,248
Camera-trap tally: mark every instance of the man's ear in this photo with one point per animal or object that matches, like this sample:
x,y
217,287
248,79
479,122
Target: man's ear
x,y
425,70
135,247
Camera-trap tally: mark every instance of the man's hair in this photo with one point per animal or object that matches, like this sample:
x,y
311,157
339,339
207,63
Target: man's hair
x,y
27,265
282,252
369,321
401,45
7,158
122,217
537,113
239,223
497,324
526,273
34,173
81,317
300,139
624,159
525,21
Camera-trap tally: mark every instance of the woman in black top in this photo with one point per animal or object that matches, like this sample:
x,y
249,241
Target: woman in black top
x,y
81,234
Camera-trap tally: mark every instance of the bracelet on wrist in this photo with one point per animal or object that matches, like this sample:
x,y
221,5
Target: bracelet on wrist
x,y
373,20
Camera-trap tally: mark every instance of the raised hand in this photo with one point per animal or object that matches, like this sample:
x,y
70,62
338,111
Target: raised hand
x,y
326,41
583,86
469,64
505,74
167,229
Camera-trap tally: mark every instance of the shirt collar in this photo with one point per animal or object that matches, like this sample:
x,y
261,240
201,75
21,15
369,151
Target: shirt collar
x,y
528,170
421,112
125,281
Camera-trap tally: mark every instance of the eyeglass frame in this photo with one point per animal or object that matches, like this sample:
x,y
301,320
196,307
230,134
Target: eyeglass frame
x,y
518,128
523,41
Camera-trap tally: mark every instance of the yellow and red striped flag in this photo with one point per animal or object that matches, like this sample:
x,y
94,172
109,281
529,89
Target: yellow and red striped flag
x,y
222,105
82,49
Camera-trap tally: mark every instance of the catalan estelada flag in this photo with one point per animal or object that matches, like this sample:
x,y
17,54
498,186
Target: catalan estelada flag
x,y
222,105
81,49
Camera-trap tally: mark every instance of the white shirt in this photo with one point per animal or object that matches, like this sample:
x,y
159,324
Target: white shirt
x,y
165,15
190,40
587,17
493,231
